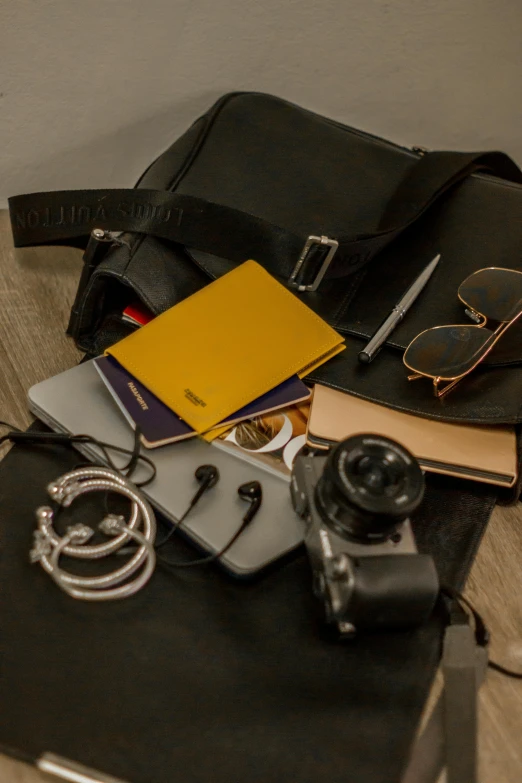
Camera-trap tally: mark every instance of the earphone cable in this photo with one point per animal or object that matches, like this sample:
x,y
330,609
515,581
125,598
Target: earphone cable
x,y
482,635
16,435
208,558
173,529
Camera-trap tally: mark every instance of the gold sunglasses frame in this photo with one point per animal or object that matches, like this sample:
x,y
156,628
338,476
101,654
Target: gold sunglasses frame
x,y
497,334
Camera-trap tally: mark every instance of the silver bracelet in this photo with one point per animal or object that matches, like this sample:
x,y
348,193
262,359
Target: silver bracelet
x,y
61,490
49,546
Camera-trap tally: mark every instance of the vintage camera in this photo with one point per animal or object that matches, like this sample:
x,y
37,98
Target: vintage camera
x,y
356,503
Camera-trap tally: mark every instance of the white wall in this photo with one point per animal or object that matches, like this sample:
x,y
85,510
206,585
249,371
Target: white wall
x,y
92,90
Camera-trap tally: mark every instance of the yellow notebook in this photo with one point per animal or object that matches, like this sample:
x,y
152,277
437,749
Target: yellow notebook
x,y
227,344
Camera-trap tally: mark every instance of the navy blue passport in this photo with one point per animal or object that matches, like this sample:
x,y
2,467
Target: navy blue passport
x,y
160,425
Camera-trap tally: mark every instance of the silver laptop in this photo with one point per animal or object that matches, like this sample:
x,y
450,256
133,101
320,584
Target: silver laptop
x,y
78,402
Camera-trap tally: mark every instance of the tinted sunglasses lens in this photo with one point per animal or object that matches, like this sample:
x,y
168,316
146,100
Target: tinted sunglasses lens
x,y
495,293
447,351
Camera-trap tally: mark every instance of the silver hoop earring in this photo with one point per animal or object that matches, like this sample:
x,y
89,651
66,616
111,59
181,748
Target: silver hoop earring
x,y
49,546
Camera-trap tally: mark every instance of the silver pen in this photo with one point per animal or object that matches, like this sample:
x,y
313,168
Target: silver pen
x,y
397,314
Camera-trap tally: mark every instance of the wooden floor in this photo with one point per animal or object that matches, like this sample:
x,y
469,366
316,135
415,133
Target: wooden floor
x,y
36,289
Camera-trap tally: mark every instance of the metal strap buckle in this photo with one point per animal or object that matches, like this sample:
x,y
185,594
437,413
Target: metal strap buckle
x,y
314,285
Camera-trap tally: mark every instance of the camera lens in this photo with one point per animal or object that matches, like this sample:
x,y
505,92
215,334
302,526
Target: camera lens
x,y
369,485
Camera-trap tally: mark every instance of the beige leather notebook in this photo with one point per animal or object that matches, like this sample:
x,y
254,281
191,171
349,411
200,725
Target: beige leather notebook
x,y
486,454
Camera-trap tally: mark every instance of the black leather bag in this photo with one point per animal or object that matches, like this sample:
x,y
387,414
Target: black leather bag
x,y
257,177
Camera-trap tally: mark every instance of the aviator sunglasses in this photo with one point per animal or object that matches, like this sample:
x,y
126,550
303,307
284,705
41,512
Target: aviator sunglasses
x,y
493,298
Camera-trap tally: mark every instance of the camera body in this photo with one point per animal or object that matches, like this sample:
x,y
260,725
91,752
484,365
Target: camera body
x,y
356,504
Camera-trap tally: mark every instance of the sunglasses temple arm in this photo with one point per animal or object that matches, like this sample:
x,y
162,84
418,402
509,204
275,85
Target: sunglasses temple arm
x,y
441,392
436,381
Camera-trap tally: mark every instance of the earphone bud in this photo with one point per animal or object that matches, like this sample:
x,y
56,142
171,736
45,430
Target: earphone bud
x,y
208,474
208,477
253,493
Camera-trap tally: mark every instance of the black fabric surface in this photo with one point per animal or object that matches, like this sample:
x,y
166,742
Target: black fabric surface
x,y
203,678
